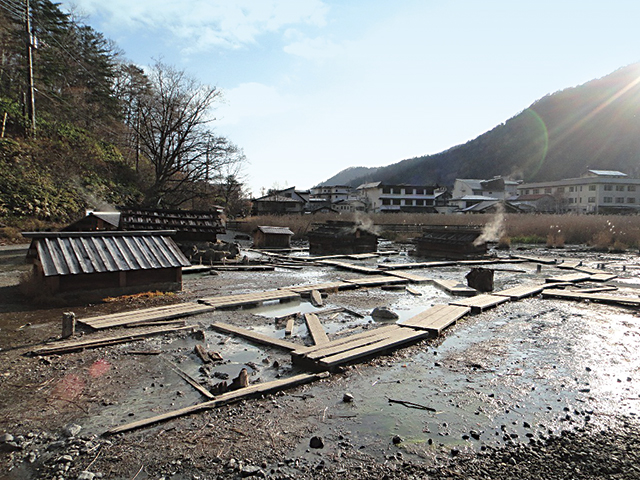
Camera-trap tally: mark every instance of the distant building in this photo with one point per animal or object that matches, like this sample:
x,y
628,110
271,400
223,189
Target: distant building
x,y
597,191
469,192
380,197
337,237
281,202
114,263
332,193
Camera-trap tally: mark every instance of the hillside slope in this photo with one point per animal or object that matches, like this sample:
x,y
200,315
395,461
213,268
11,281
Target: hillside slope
x,y
595,125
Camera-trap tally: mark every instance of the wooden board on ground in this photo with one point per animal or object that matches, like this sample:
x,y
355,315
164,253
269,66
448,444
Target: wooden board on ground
x,y
68,346
517,293
376,281
254,336
351,267
543,260
196,269
243,299
403,266
592,297
145,315
288,330
322,287
413,291
436,318
569,277
412,277
570,265
244,268
454,287
597,289
403,337
362,256
316,330
480,303
224,399
602,277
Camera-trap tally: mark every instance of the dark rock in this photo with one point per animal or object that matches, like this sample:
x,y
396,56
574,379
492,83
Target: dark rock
x,y
481,279
316,442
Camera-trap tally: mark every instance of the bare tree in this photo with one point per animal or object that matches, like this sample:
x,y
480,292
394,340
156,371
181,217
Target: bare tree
x,y
174,135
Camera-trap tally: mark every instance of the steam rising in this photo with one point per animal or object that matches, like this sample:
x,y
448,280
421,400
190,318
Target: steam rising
x,y
494,229
363,222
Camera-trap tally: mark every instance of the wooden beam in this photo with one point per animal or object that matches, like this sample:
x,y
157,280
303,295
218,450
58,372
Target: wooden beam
x,y
254,336
224,399
316,330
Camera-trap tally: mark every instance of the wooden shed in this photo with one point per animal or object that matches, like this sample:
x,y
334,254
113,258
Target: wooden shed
x,y
453,241
272,237
340,237
115,263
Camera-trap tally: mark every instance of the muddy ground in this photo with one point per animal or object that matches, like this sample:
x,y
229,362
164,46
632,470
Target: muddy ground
x,y
531,389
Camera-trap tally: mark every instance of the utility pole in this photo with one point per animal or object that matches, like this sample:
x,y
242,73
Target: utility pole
x,y
31,105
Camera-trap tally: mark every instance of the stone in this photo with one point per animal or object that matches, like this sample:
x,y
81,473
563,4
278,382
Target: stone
x,y
481,279
384,313
347,398
316,442
86,476
6,438
251,471
71,430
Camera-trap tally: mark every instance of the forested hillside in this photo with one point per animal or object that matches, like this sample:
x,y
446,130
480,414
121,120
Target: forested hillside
x,y
106,133
595,125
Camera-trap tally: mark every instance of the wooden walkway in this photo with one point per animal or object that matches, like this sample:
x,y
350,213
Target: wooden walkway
x,y
412,277
481,303
518,293
401,266
376,281
436,318
322,287
146,315
569,277
316,330
543,260
351,267
592,297
455,288
254,336
244,299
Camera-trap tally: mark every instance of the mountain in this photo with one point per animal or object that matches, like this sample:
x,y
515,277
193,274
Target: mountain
x,y
593,126
348,175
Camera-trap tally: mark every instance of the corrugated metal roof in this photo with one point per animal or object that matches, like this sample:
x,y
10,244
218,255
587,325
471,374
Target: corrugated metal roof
x,y
180,220
93,252
275,230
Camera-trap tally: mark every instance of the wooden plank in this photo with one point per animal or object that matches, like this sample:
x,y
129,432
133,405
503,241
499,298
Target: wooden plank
x,y
404,266
480,303
239,300
351,267
322,287
316,298
523,291
543,260
316,329
598,289
569,277
376,281
570,265
380,332
196,269
602,277
592,297
244,268
404,337
224,399
166,312
412,277
454,287
413,291
288,330
104,341
362,256
190,380
436,318
254,336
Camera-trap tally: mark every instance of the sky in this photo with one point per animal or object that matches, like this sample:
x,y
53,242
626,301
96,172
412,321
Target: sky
x,y
311,87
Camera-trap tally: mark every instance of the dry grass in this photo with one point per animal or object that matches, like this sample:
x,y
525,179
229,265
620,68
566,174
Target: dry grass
x,y
610,232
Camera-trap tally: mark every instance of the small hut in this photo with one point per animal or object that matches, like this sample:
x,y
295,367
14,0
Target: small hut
x,y
340,237
272,237
452,241
113,263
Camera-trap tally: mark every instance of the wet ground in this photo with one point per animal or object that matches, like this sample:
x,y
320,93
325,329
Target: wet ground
x,y
525,370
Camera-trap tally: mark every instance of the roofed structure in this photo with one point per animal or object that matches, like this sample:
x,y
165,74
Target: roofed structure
x,y
124,261
190,225
272,237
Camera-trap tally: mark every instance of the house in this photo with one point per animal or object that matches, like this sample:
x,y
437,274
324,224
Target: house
x,y
386,198
597,191
450,241
189,225
468,192
492,206
539,203
281,202
272,237
114,263
332,193
339,237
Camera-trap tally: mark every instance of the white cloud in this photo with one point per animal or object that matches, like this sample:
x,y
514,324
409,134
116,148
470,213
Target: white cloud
x,y
201,24
252,101
313,48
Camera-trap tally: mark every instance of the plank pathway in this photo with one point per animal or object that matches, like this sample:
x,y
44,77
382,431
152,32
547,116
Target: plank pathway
x,y
437,318
454,287
321,287
412,277
146,315
352,267
316,330
377,281
254,336
569,277
592,297
243,299
518,293
480,303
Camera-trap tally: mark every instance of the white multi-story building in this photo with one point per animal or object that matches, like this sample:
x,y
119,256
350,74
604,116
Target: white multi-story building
x,y
598,191
468,192
380,197
332,193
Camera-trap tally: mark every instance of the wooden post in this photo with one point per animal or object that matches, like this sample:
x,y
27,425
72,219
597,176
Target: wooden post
x,y
538,268
68,324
